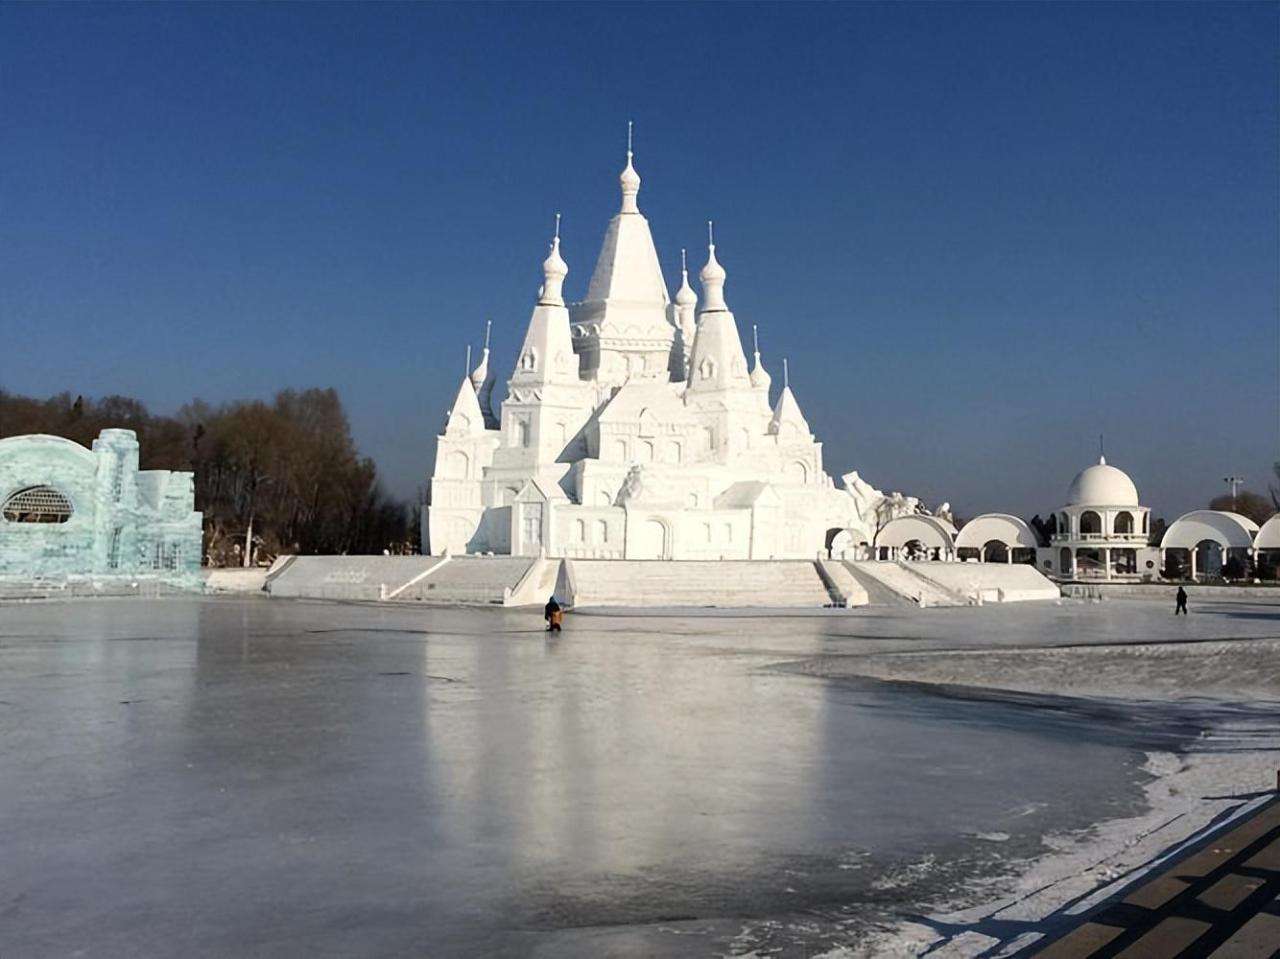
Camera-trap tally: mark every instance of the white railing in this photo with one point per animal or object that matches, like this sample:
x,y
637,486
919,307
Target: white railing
x,y
1139,538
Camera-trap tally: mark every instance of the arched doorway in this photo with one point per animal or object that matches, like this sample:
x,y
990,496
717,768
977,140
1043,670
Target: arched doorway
x,y
1090,523
1065,566
995,551
836,541
1124,522
914,550
652,541
1208,559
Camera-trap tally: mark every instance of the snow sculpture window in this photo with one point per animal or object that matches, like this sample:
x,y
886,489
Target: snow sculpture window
x,y
602,531
529,360
579,531
173,556
38,504
522,432
456,465
117,481
707,369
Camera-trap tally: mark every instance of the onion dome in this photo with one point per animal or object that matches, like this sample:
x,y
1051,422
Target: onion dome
x,y
712,277
1102,485
760,378
481,372
685,295
629,179
554,270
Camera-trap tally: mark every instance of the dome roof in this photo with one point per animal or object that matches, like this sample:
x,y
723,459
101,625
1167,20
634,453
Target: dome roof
x,y
685,295
1102,485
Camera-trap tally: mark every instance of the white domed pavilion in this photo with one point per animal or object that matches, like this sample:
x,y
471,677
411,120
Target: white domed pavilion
x,y
1101,527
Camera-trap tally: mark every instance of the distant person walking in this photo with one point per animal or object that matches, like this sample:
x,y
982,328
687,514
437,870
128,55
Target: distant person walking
x,y
553,614
1182,602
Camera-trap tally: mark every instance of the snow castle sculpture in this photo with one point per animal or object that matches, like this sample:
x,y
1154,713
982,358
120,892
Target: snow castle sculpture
x,y
633,429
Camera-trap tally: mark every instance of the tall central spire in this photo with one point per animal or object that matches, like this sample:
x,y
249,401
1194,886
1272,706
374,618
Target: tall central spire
x,y
630,180
628,269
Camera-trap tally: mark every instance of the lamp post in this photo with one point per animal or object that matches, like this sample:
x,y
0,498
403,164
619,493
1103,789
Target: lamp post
x,y
1234,482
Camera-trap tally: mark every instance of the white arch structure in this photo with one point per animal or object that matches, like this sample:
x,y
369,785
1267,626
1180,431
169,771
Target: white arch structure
x,y
1269,535
1013,532
1228,530
936,536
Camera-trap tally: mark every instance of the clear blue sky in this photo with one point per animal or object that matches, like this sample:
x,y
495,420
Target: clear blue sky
x,y
982,234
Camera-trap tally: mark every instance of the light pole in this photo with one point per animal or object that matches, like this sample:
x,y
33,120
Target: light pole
x,y
1234,482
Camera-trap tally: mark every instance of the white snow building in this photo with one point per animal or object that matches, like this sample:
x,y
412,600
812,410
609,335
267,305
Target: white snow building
x,y
633,428
1101,530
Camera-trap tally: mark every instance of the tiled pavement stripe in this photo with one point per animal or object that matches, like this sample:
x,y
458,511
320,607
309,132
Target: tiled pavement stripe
x,y
1259,938
1169,938
1203,901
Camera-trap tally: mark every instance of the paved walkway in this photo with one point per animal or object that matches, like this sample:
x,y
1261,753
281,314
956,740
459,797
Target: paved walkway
x,y
1219,899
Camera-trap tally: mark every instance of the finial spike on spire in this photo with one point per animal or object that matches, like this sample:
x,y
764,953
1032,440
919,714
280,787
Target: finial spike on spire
x,y
786,375
684,263
629,125
755,340
488,325
466,369
711,233
557,226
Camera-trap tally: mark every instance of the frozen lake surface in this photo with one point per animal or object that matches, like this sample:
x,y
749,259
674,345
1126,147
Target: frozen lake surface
x,y
215,777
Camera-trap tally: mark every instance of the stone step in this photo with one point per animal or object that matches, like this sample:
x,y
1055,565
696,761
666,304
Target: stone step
x,y
689,583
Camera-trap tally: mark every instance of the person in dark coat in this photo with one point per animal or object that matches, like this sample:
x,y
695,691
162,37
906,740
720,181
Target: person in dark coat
x,y
553,614
1182,602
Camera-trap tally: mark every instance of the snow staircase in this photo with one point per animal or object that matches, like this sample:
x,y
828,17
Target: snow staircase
x,y
470,581
727,583
895,584
345,577
841,584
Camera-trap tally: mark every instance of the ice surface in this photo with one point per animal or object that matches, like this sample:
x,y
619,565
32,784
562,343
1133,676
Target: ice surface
x,y
225,776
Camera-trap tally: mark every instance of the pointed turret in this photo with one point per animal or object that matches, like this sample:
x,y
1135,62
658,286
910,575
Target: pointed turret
x,y
627,269
624,326
787,420
717,361
546,355
465,416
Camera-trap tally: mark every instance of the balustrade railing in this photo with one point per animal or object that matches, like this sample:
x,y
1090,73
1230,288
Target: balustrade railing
x,y
1127,538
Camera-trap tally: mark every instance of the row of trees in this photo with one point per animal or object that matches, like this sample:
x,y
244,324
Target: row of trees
x,y
271,478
